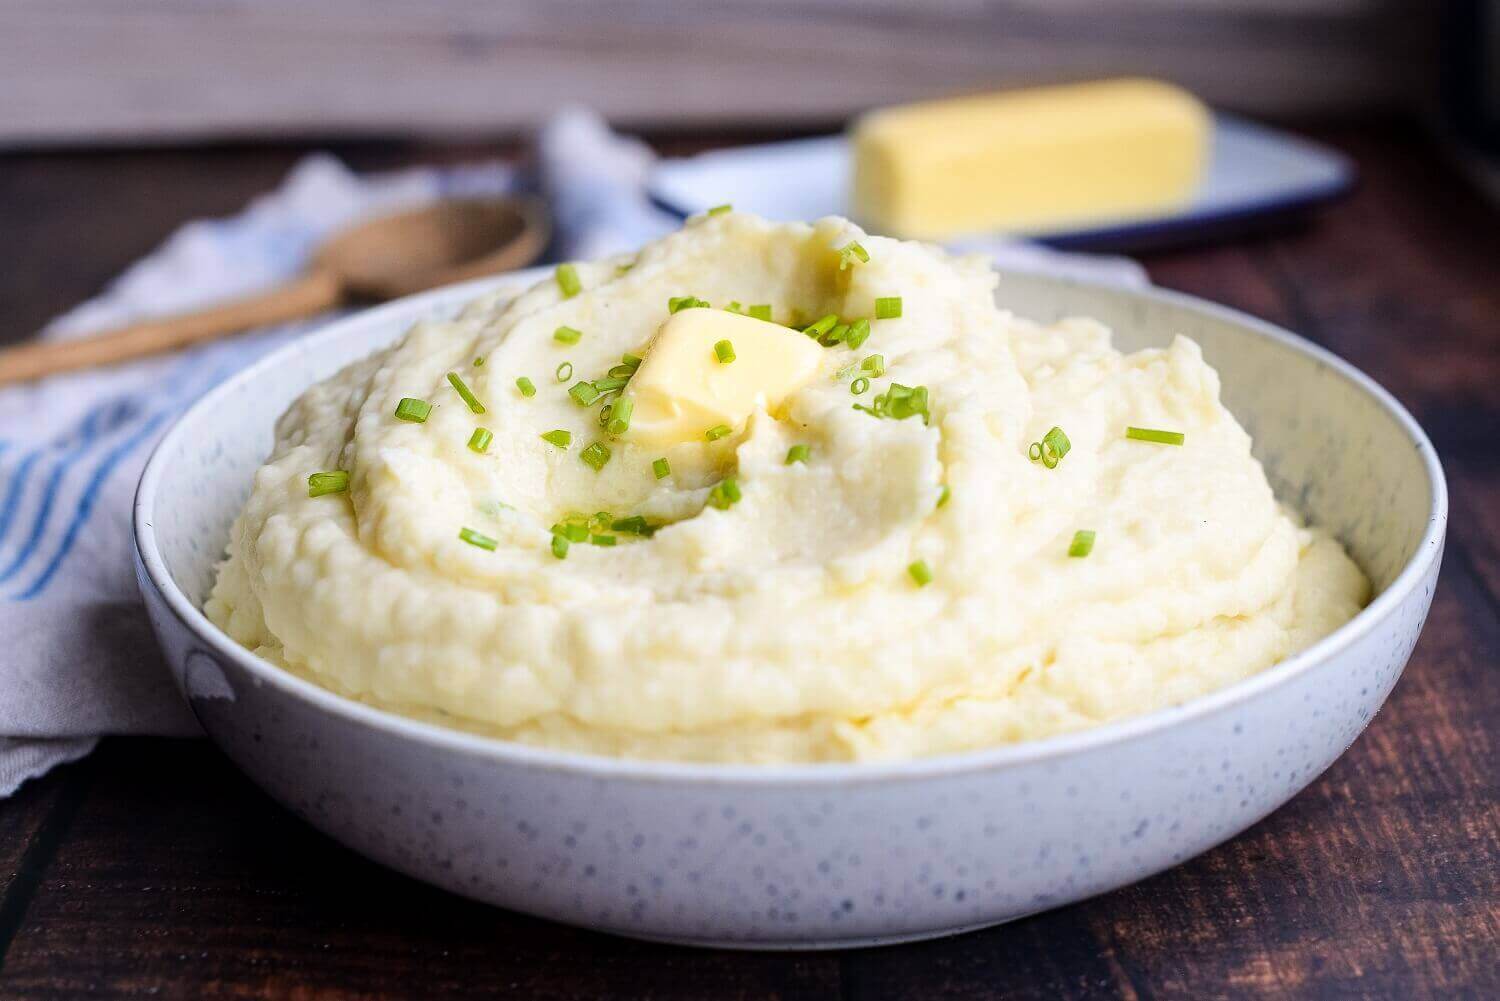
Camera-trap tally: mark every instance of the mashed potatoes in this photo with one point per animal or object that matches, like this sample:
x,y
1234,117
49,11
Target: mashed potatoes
x,y
781,616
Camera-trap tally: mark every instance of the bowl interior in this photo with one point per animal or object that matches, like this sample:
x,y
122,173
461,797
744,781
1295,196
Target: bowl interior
x,y
1332,443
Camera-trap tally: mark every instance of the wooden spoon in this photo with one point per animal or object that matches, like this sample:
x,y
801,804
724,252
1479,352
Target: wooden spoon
x,y
384,258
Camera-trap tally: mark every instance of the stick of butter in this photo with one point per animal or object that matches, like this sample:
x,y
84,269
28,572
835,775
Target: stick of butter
x,y
1029,160
682,389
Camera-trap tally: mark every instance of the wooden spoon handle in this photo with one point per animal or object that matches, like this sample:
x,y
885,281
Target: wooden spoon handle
x,y
305,296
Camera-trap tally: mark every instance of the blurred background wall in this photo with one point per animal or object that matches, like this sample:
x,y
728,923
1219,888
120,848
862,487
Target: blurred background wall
x,y
135,71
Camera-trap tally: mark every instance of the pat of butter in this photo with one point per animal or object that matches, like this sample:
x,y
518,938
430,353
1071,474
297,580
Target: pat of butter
x,y
1030,160
682,389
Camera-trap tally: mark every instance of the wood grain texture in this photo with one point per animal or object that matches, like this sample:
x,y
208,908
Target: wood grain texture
x,y
154,869
101,71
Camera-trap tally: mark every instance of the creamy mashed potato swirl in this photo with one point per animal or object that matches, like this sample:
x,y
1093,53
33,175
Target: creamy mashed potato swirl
x,y
786,626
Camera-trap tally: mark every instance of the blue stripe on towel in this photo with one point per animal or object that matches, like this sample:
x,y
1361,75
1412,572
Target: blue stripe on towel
x,y
88,499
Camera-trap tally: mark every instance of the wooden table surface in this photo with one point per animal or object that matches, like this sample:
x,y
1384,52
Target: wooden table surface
x,y
154,869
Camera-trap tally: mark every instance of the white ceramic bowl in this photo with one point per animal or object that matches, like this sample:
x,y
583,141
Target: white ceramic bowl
x,y
809,856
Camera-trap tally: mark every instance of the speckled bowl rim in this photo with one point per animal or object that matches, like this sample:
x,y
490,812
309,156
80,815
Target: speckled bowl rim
x,y
1427,551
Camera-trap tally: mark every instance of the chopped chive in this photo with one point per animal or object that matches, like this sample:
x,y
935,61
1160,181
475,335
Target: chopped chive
x,y
465,393
474,538
734,306
526,386
859,332
1151,434
1082,544
601,520
678,303
559,547
584,393
619,417
859,386
567,280
822,326
604,413
412,410
572,531
724,351
633,361
335,481
634,525
834,336
610,384
725,494
622,372
875,365
943,495
718,431
567,335
662,468
888,307
851,251
602,540
596,455
846,371
479,362
560,438
920,572
564,371
760,311
899,402
1050,450
480,440
720,209
798,453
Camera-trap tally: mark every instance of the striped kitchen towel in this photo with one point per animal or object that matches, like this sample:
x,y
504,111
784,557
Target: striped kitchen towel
x,y
79,659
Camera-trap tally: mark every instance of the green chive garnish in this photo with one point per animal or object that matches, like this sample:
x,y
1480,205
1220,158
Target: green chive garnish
x,y
479,362
662,468
1050,450
1082,544
920,572
602,540
724,351
718,431
834,336
474,538
610,384
480,440
567,280
335,481
725,494
621,372
464,392
412,410
559,547
899,402
875,365
851,251
619,417
584,393
560,438
634,525
571,530
798,453
888,307
822,326
567,335
678,303
859,386
720,209
859,332
526,386
734,306
761,311
943,495
1161,437
596,455
564,371
629,359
